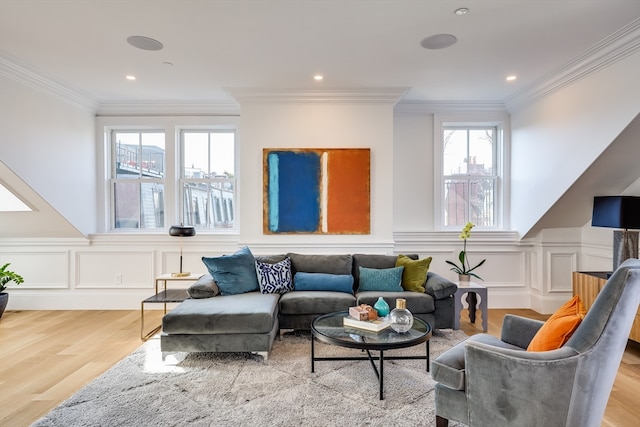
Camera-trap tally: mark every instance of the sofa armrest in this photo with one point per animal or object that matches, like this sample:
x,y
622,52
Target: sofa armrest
x,y
518,330
205,287
439,287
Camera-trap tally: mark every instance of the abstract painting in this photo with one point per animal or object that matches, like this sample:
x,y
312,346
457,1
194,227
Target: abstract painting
x,y
317,191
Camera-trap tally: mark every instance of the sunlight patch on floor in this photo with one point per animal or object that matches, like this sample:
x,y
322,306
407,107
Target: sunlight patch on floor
x,y
153,362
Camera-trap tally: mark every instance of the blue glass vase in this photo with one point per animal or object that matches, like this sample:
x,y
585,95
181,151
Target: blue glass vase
x,y
381,307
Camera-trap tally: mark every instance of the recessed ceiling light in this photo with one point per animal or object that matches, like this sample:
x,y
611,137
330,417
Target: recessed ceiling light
x,y
438,41
318,77
130,77
461,11
144,43
511,78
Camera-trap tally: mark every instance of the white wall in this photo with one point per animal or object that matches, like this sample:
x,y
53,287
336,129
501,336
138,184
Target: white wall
x,y
50,144
413,171
555,139
311,124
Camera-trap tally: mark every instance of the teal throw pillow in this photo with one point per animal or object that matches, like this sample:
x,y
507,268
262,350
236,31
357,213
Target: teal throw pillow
x,y
234,274
381,279
323,282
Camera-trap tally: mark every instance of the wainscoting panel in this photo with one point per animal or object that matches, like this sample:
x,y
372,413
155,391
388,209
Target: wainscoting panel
x,y
502,269
561,266
40,270
123,270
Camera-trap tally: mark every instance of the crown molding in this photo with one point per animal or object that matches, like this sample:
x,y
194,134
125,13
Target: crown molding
x,y
168,108
11,69
433,107
619,45
381,95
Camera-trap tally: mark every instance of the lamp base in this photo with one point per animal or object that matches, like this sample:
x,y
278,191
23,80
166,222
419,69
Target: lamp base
x,y
181,274
625,245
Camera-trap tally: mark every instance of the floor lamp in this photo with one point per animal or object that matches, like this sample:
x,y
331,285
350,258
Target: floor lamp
x,y
181,231
619,212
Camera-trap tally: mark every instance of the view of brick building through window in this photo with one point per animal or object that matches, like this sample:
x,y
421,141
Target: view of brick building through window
x,y
469,176
138,184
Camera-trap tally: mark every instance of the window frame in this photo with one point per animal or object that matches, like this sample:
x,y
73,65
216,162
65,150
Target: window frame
x,y
182,180
113,179
497,120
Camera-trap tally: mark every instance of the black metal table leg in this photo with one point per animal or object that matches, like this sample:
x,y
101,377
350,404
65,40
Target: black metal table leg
x,y
381,374
427,344
313,355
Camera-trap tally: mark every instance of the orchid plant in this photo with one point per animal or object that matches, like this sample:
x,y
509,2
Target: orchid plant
x,y
465,266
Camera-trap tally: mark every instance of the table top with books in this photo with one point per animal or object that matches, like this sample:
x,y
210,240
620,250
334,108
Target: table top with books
x,y
337,329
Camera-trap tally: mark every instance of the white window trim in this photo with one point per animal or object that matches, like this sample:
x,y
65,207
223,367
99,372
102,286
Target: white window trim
x,y
501,121
111,179
181,180
171,125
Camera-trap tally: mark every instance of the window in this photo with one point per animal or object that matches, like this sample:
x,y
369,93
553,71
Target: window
x,y
469,160
137,181
208,179
470,176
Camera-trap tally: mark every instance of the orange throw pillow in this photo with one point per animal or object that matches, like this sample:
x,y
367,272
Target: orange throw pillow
x,y
561,325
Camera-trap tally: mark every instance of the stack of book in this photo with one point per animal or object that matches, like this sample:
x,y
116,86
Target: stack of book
x,y
377,325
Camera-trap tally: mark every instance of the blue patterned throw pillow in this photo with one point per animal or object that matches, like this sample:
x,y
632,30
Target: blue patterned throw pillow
x,y
381,279
274,278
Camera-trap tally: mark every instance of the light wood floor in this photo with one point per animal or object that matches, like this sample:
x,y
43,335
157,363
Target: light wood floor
x,y
46,356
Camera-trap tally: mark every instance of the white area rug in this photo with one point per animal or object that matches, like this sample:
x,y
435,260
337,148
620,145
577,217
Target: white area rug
x,y
241,389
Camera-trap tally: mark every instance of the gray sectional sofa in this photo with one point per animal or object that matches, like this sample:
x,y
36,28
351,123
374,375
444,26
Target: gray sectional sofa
x,y
250,321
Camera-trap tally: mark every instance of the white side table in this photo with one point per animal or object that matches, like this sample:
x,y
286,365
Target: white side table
x,y
472,290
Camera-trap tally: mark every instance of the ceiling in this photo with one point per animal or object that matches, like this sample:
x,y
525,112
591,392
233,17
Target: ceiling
x,y
210,46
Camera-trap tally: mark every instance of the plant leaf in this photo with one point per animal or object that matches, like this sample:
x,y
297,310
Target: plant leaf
x,y
476,276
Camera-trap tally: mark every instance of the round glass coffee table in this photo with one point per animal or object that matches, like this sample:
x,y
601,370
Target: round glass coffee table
x,y
329,329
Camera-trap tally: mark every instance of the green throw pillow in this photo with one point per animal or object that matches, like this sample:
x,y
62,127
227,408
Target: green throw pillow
x,y
380,279
415,272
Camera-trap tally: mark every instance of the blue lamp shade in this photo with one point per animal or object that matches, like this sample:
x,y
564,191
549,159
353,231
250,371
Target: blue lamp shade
x,y
616,212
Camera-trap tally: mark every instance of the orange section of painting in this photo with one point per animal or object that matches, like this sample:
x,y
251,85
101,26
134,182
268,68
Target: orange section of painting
x,y
348,192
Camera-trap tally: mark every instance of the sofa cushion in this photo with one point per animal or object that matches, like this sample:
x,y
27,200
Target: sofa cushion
x,y
416,302
234,274
251,312
270,259
381,279
449,367
315,302
330,264
373,261
323,282
275,278
204,287
557,330
439,287
415,272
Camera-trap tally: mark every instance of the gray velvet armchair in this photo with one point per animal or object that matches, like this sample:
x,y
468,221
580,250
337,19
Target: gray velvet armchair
x,y
486,381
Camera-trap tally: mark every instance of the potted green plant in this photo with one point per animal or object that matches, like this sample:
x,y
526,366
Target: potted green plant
x,y
464,270
7,276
